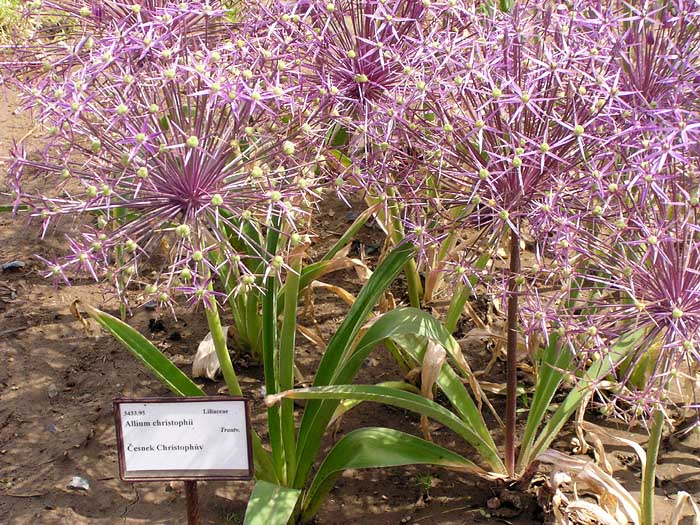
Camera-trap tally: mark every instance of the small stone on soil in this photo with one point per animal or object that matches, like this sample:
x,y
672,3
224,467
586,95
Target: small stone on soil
x,y
493,503
79,483
52,391
12,265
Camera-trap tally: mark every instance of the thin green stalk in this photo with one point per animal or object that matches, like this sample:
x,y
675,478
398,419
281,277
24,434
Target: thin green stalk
x,y
396,233
219,339
118,214
460,298
270,366
238,318
286,360
649,475
396,353
252,318
120,283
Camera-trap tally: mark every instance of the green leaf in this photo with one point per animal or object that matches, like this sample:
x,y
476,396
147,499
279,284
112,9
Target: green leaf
x,y
340,137
350,233
454,389
8,208
598,369
168,374
327,264
344,159
317,414
376,448
403,324
555,362
505,5
270,350
271,504
348,404
397,398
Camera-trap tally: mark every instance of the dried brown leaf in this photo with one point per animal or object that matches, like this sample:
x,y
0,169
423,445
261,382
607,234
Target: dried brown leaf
x,y
684,499
79,317
433,359
342,293
589,477
206,362
312,336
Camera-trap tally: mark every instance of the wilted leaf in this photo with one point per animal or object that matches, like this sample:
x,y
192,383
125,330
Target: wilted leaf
x,y
342,293
79,317
312,336
206,363
433,359
596,430
469,309
361,269
683,499
613,499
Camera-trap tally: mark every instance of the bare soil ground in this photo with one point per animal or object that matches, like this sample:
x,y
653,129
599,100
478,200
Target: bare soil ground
x,y
57,383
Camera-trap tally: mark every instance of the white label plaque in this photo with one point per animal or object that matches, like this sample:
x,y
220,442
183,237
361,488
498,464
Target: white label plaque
x,y
187,438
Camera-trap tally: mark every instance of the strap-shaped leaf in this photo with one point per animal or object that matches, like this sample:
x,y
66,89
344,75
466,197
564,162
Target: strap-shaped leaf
x,y
403,324
377,448
6,208
556,361
400,399
271,504
317,414
168,374
597,370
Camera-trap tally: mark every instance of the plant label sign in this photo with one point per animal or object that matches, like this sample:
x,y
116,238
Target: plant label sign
x,y
200,438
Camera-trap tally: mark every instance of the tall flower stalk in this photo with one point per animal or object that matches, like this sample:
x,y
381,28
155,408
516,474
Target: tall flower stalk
x,y
523,111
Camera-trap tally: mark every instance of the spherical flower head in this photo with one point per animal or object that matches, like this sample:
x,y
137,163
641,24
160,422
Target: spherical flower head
x,y
183,230
182,167
656,278
288,147
514,117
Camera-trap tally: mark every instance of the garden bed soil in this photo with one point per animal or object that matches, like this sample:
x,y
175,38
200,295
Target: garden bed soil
x,y
58,380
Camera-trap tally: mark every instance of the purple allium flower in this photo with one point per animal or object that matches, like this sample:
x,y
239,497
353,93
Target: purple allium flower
x,y
201,292
367,63
644,277
522,112
66,34
166,158
655,54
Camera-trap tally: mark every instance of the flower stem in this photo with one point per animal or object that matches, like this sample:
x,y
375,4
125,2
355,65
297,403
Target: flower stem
x,y
511,356
219,338
649,475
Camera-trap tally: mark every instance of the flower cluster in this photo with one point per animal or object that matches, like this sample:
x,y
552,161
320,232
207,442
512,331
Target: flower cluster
x,y
165,148
572,126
